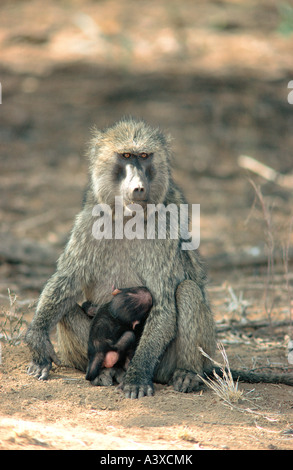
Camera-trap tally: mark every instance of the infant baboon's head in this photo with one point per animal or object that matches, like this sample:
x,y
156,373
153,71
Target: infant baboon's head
x,y
131,305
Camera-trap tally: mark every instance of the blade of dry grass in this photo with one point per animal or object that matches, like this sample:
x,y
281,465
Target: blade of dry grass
x,y
224,386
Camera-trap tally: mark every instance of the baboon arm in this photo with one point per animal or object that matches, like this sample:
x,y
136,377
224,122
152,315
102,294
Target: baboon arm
x,y
58,297
95,365
159,331
65,286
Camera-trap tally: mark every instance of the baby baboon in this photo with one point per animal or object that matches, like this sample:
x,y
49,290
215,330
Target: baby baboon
x,y
114,332
130,160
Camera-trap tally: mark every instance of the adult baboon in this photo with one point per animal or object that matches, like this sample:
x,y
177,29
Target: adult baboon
x,y
131,160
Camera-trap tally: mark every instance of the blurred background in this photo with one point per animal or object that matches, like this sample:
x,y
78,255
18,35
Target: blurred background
x,y
214,74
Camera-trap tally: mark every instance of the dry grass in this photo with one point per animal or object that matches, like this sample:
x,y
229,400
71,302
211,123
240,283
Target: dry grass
x,y
224,387
11,322
186,435
227,390
272,240
270,243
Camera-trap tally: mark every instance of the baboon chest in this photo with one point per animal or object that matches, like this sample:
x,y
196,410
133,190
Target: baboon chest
x,y
129,263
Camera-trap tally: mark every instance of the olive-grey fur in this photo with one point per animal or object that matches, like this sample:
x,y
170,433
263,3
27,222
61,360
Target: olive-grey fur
x,y
180,320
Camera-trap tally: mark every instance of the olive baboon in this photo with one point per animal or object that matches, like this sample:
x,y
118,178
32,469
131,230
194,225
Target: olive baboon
x,y
131,160
114,331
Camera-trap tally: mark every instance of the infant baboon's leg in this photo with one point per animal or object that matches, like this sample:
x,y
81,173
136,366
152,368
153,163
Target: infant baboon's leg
x,y
195,329
73,336
126,341
122,346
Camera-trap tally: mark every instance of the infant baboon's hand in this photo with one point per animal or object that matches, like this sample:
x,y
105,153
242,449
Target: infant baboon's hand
x,y
43,354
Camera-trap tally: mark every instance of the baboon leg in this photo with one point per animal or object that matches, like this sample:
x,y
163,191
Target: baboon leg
x,y
167,365
73,335
195,329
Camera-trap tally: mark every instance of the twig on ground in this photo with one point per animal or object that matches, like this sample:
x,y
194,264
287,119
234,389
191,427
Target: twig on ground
x,y
266,172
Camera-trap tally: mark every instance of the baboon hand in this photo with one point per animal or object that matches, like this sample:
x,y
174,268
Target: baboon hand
x,y
137,391
43,354
134,387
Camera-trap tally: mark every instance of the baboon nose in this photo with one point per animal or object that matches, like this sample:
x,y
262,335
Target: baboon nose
x,y
139,193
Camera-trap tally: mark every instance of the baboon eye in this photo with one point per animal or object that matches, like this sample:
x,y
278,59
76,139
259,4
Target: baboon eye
x,y
126,155
144,155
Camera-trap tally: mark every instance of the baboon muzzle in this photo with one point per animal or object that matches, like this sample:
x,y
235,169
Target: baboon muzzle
x,y
135,184
139,193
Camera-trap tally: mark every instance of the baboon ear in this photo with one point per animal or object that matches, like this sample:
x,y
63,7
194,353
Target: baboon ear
x,y
97,134
166,140
94,143
169,139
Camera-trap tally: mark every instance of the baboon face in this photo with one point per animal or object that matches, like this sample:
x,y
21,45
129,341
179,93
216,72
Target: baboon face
x,y
130,160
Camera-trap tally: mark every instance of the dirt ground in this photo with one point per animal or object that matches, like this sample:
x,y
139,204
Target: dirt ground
x,y
215,75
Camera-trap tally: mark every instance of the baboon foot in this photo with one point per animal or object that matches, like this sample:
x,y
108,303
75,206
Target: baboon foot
x,y
108,377
104,379
185,381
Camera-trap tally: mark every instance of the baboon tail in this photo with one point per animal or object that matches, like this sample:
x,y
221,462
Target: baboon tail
x,y
256,377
